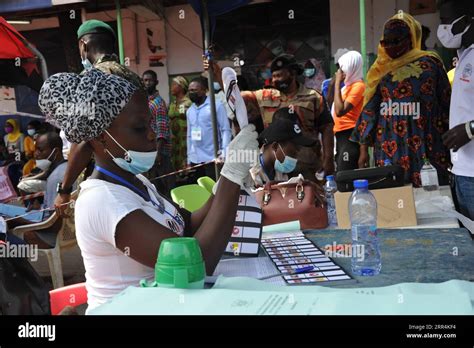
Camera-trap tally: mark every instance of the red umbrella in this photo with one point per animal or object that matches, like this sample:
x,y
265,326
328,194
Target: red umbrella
x,y
13,47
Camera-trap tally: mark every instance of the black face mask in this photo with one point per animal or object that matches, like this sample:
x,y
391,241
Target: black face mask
x,y
195,98
283,86
150,90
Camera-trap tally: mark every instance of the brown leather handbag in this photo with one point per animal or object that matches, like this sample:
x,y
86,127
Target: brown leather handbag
x,y
289,202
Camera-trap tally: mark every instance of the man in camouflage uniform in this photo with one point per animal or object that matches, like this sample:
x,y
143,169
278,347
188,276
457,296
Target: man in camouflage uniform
x,y
307,104
96,41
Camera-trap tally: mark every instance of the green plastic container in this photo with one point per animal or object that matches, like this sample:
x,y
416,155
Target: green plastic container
x,y
179,265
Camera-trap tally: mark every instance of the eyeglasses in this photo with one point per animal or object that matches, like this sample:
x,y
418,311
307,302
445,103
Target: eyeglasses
x,y
393,42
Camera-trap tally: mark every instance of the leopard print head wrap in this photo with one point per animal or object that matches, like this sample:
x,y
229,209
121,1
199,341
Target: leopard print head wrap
x,y
83,106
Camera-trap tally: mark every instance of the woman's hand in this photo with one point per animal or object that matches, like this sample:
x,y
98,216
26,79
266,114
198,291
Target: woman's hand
x,y
244,143
339,77
363,157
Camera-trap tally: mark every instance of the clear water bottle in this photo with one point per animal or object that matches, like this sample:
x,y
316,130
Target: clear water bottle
x,y
330,189
429,177
366,259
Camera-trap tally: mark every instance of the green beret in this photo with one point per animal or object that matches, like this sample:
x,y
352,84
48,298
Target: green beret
x,y
94,26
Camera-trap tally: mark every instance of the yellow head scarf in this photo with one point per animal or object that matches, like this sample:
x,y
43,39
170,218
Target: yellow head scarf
x,y
384,64
13,136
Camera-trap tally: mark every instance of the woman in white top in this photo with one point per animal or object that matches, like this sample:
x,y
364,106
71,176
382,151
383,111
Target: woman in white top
x,y
120,218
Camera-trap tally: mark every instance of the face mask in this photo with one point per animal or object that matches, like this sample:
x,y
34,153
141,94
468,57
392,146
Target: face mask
x,y
31,132
395,52
309,72
282,86
8,129
446,36
86,63
195,98
44,164
266,74
217,86
134,162
287,166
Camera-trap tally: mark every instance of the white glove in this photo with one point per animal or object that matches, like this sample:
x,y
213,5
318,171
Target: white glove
x,y
241,155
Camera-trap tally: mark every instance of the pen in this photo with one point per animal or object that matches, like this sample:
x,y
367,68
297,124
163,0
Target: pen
x,y
296,271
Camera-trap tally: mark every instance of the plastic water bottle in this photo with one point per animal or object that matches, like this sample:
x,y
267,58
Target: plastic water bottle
x,y
330,189
366,260
429,177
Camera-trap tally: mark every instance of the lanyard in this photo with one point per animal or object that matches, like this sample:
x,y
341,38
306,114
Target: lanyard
x,y
145,196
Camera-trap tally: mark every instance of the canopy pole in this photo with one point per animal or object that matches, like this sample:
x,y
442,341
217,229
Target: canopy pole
x,y
212,99
363,40
119,32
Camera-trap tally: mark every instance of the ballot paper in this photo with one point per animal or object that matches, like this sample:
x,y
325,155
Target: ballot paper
x,y
292,251
253,267
247,232
233,97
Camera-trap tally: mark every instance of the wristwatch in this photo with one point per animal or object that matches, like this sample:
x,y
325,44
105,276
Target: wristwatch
x,y
62,190
471,130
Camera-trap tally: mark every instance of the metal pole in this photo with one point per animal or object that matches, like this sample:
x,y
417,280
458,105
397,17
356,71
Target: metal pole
x,y
42,60
119,32
207,38
363,41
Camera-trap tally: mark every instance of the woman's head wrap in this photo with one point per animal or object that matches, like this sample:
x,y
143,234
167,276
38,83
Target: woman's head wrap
x,y
352,65
384,65
182,82
83,106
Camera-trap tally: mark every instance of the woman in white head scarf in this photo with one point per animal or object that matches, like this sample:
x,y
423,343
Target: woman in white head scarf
x,y
347,106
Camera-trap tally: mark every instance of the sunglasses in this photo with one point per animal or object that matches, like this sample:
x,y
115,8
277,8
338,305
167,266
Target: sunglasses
x,y
393,42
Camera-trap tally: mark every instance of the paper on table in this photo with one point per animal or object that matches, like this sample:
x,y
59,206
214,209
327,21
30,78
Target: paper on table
x,y
143,301
283,227
442,206
447,289
253,267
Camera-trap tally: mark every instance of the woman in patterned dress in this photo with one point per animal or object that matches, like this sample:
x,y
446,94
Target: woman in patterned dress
x,y
406,105
178,122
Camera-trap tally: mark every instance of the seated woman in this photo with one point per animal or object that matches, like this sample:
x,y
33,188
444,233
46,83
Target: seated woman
x,y
279,146
14,142
29,146
120,217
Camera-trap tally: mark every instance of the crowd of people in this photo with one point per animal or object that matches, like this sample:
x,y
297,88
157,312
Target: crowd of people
x,y
403,108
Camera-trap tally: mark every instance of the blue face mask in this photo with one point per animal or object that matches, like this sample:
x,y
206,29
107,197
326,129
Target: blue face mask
x,y
217,86
266,74
287,166
134,162
86,63
309,72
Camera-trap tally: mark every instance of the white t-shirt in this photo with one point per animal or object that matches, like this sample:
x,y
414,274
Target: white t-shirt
x,y
99,208
462,104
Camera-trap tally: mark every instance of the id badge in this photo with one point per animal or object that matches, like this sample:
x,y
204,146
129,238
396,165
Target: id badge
x,y
196,133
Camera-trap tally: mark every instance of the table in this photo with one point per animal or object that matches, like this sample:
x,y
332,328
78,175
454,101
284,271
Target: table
x,y
411,255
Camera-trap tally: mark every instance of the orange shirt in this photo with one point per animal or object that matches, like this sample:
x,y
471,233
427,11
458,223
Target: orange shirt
x,y
353,94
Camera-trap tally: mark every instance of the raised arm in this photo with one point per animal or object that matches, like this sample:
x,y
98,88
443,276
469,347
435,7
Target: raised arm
x,y
79,157
212,224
